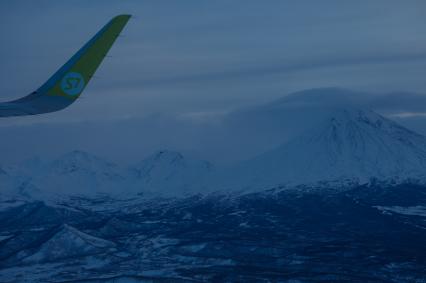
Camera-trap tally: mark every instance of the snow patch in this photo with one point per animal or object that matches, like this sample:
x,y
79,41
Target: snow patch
x,y
409,210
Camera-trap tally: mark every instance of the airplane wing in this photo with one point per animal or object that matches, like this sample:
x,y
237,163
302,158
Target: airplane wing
x,y
67,84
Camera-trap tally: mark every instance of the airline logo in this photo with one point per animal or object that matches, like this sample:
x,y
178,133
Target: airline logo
x,y
72,83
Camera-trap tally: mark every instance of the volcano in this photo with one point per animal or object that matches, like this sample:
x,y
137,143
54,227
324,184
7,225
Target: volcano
x,y
350,145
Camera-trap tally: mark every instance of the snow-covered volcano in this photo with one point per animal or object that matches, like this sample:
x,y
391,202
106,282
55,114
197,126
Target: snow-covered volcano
x,y
350,144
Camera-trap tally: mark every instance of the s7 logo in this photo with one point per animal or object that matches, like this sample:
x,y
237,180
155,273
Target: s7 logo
x,y
72,83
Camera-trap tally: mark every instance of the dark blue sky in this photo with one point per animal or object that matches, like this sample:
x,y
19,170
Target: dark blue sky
x,y
200,59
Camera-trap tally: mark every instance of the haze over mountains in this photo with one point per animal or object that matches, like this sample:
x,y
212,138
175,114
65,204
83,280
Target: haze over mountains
x,y
348,146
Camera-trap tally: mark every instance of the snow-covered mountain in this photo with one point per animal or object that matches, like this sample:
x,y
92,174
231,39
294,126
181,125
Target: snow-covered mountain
x,y
11,182
67,242
169,172
80,173
350,144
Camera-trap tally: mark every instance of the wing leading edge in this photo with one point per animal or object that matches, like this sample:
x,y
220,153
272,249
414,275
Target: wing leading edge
x,y
67,84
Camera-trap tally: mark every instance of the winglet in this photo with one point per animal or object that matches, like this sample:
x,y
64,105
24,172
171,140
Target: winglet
x,y
85,62
67,84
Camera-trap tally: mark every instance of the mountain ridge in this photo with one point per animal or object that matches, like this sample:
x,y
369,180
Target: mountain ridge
x,y
350,146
